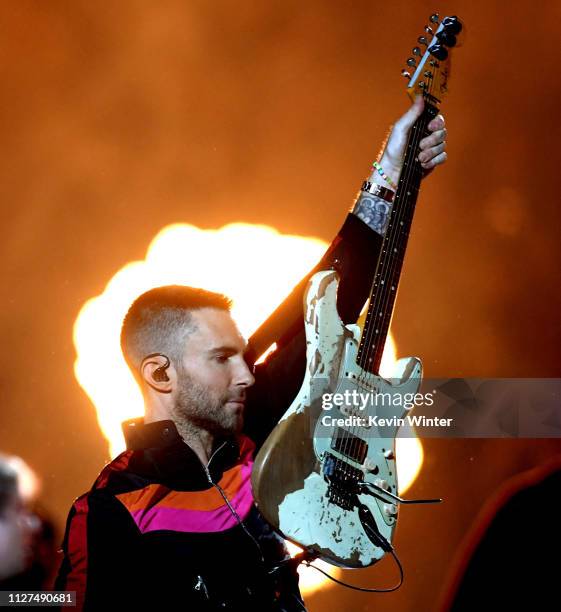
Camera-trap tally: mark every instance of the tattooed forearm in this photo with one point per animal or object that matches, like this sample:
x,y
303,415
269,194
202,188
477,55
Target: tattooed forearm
x,y
373,211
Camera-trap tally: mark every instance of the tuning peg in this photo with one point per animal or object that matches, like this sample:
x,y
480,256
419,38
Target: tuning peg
x,y
438,51
411,62
422,41
428,29
416,51
447,38
452,25
434,18
405,74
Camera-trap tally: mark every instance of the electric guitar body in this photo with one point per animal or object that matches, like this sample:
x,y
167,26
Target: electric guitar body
x,y
289,480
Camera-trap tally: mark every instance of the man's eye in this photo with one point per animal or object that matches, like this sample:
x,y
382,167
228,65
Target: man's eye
x,y
222,358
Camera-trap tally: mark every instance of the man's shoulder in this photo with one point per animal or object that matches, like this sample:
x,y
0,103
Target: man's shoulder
x,y
101,502
115,474
115,478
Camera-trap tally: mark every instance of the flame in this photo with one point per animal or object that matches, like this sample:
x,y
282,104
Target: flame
x,y
218,260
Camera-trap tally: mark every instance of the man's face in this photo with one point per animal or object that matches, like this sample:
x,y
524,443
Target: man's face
x,y
213,375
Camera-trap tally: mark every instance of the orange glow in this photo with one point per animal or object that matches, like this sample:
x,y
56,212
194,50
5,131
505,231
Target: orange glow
x,y
310,579
270,350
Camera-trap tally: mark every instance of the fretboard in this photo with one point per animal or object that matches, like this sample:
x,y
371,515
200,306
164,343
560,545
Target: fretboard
x,y
390,261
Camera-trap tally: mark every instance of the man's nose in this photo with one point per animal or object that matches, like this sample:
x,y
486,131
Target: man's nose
x,y
244,377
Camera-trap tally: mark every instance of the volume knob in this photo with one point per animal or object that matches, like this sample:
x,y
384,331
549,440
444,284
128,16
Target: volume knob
x,y
390,509
370,467
383,484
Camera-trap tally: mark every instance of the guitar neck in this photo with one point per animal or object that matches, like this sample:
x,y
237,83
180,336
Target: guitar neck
x,y
390,262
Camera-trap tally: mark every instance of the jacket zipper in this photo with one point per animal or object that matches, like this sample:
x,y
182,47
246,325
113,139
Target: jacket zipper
x,y
225,498
206,467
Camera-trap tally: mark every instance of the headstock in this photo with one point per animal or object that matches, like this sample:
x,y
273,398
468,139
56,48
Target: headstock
x,y
429,67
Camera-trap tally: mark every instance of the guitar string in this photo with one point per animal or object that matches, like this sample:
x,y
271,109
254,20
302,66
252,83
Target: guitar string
x,y
402,218
384,278
420,127
351,442
414,168
392,264
350,438
396,244
393,239
389,264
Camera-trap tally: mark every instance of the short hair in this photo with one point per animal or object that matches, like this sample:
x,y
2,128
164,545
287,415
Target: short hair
x,y
8,484
160,320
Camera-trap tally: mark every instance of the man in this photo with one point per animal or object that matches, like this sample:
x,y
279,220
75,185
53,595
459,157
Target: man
x,y
171,521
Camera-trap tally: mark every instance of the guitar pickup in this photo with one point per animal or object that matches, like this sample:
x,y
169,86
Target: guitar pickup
x,y
351,446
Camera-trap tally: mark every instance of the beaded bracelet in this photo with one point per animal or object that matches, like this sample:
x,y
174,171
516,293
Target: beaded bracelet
x,y
384,175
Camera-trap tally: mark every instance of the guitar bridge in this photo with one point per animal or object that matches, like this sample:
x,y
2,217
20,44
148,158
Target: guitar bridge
x,y
343,480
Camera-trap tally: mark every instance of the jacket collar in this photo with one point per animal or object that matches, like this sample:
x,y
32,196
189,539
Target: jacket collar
x,y
158,434
166,457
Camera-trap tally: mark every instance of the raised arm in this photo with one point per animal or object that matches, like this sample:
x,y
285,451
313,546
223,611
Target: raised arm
x,y
353,253
374,209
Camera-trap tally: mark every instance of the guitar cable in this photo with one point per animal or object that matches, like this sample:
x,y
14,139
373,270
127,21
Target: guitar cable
x,y
363,589
373,533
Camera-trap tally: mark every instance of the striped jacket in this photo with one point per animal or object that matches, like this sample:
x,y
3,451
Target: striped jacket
x,y
156,529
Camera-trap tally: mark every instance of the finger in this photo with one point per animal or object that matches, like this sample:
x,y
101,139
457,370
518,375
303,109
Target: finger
x,y
435,161
434,139
426,156
437,123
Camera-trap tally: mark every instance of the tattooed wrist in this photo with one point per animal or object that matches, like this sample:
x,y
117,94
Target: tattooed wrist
x,y
373,211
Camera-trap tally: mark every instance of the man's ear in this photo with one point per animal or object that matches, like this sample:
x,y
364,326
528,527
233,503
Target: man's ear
x,y
157,372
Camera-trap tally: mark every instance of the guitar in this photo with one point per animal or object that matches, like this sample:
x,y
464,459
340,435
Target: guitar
x,y
326,476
